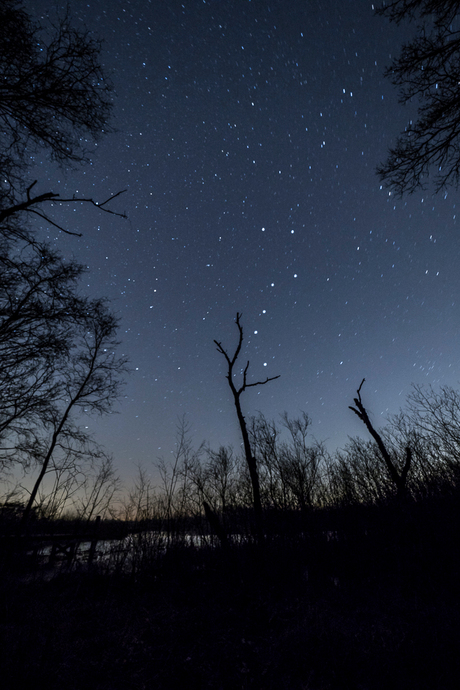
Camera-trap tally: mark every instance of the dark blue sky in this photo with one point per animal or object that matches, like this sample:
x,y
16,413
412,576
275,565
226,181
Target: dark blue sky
x,y
248,136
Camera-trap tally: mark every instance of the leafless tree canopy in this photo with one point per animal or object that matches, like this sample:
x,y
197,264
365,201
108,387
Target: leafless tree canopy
x,y
58,356
54,95
426,72
39,310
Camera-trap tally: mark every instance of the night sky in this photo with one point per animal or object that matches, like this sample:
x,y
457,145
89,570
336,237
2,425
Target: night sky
x,y
248,133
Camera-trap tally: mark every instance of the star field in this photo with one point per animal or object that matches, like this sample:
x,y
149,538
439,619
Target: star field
x,y
247,136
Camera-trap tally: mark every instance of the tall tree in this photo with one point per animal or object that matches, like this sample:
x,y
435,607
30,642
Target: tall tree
x,y
89,383
426,71
237,391
57,348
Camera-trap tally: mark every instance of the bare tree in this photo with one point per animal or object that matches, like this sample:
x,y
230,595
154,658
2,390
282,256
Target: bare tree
x,y
98,491
237,391
435,417
39,311
80,481
355,475
90,384
290,468
221,476
139,503
426,71
64,479
176,479
398,476
264,436
56,347
302,463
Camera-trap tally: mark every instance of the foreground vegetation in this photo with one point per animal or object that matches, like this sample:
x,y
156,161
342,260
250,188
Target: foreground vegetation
x,y
352,582
357,595
346,578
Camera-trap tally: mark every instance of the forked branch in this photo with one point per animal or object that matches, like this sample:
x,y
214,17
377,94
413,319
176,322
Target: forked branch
x,y
250,459
231,362
31,202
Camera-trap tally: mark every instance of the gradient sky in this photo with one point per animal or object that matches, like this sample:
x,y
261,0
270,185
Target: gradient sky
x,y
248,136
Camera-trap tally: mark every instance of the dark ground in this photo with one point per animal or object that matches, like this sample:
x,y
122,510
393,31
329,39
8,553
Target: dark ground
x,y
354,613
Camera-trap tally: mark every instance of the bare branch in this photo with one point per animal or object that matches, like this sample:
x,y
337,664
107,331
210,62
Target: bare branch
x,y
399,480
236,392
262,383
32,201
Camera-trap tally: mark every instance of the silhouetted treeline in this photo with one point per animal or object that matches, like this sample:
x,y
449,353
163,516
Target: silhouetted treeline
x,y
352,586
299,476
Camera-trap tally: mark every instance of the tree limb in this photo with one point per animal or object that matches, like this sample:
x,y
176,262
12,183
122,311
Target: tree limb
x,y
32,201
399,480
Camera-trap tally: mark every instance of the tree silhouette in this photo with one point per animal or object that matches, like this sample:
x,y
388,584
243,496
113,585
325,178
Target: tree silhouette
x,y
34,205
90,383
398,477
57,348
237,391
39,312
426,71
53,94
